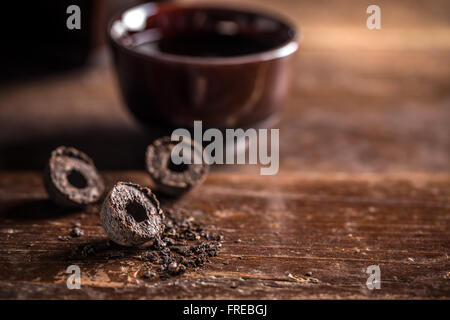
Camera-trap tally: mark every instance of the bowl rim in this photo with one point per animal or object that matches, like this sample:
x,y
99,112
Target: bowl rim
x,y
277,52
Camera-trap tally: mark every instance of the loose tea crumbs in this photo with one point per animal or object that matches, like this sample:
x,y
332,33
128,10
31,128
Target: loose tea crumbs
x,y
183,245
148,274
76,232
172,253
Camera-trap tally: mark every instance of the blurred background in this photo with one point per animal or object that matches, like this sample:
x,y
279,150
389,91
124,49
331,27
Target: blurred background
x,y
360,100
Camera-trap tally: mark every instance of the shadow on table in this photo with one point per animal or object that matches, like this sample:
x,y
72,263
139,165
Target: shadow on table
x,y
118,149
33,209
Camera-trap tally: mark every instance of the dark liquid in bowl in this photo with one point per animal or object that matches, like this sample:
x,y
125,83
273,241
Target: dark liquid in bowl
x,y
206,45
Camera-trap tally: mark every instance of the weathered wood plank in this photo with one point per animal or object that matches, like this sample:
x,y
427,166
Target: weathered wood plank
x,y
364,173
296,237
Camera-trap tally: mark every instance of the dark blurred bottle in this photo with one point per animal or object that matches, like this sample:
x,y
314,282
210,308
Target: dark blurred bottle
x,y
35,38
35,34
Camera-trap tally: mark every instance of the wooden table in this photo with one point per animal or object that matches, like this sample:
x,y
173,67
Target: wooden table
x,y
364,176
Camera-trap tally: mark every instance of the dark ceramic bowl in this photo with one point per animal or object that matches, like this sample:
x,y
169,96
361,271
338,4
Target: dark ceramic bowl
x,y
225,66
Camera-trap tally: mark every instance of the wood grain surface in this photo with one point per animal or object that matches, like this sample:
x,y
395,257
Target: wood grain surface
x,y
364,172
286,237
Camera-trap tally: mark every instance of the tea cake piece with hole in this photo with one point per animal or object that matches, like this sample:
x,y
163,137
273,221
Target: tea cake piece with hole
x,y
170,178
71,179
131,214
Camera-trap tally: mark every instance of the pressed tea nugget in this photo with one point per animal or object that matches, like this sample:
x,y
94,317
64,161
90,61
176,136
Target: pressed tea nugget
x,y
71,179
131,214
172,179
